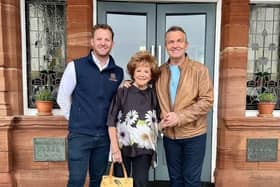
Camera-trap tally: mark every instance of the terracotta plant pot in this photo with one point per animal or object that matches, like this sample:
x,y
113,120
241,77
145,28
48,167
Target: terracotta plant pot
x,y
266,109
44,108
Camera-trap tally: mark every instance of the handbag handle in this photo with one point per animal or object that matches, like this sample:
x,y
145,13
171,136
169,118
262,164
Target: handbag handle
x,y
112,168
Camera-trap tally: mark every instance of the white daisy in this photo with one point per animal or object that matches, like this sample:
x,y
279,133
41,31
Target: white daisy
x,y
131,117
134,135
151,117
142,136
123,134
151,120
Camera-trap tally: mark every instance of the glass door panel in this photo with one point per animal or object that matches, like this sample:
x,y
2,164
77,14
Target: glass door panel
x,y
126,43
133,25
194,26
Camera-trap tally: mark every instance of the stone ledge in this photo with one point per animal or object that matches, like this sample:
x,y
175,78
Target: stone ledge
x,y
41,122
34,122
6,122
256,123
247,178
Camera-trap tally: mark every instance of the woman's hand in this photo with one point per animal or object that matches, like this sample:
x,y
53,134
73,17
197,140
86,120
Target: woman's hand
x,y
115,150
117,156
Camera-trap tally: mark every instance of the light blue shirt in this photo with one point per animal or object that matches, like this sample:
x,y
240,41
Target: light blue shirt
x,y
174,80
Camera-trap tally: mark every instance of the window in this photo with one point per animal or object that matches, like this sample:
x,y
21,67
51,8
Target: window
x,y
45,45
263,53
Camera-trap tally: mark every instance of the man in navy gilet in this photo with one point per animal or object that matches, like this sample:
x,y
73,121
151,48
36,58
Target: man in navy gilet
x,y
85,93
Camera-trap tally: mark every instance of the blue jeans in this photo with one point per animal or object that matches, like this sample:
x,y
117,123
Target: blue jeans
x,y
87,152
184,160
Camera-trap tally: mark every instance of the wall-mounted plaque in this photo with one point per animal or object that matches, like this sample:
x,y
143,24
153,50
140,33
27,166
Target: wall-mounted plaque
x,y
263,150
49,149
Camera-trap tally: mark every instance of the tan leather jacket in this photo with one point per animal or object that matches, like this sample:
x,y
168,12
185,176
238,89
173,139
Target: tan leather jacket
x,y
193,100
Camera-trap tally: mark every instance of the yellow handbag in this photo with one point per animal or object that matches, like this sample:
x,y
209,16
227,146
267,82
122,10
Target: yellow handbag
x,y
112,181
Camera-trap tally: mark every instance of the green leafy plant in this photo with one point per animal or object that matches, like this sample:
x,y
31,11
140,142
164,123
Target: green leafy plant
x,y
44,95
267,97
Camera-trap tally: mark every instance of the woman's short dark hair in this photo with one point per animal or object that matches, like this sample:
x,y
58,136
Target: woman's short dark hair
x,y
102,26
145,58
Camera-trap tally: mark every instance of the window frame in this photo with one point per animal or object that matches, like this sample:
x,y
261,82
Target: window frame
x,y
251,113
26,109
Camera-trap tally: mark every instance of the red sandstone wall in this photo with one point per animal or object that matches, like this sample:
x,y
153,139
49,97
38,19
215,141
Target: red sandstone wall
x,y
17,166
232,168
10,59
26,171
233,58
79,24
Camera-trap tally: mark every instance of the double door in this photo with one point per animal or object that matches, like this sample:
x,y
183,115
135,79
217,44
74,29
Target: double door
x,y
142,26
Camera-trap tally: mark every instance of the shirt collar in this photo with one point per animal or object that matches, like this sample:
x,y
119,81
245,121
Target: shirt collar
x,y
97,62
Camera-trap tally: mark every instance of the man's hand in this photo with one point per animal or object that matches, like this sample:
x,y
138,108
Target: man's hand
x,y
170,120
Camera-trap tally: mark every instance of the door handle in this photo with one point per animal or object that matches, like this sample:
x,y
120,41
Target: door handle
x,y
153,50
159,55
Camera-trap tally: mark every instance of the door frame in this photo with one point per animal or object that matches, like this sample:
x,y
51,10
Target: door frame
x,y
216,65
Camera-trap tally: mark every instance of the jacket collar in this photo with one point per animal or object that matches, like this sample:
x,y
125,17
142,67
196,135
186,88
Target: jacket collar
x,y
182,65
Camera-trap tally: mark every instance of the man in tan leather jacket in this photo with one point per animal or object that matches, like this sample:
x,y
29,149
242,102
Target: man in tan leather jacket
x,y
185,94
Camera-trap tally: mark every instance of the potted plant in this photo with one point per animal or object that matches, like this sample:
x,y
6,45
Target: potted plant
x,y
266,104
44,102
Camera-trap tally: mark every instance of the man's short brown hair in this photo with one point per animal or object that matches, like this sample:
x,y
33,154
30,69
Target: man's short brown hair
x,y
176,28
102,26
